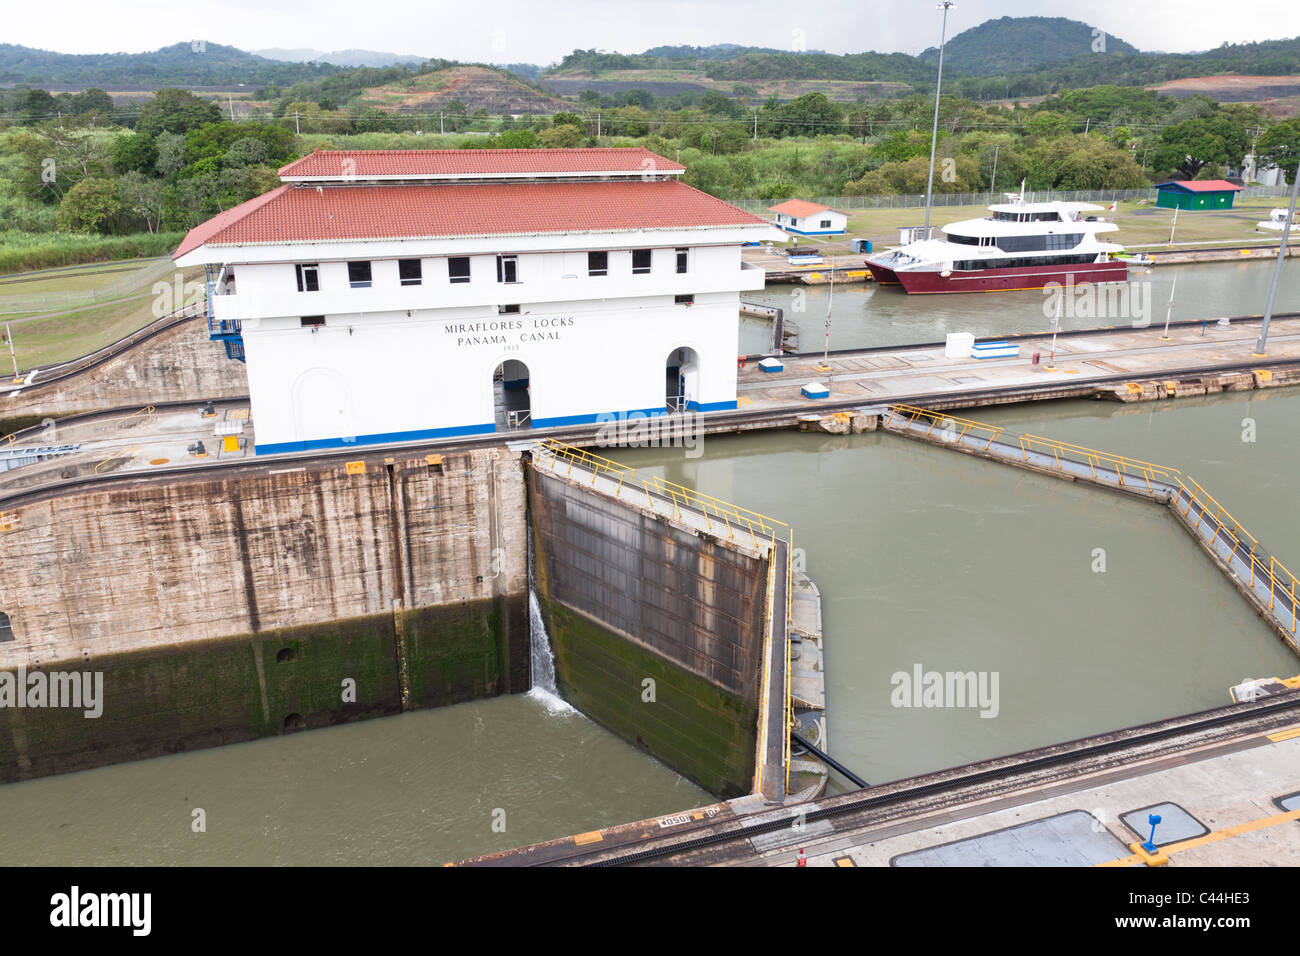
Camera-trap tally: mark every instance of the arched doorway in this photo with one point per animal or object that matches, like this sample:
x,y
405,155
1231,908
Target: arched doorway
x,y
682,379
512,396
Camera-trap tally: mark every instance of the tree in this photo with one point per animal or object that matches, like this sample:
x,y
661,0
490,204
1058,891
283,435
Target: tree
x,y
92,100
1280,146
1189,146
564,136
89,206
175,111
133,151
569,119
39,105
171,154
143,197
809,115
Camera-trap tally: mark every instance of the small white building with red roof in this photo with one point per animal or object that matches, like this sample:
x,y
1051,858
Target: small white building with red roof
x,y
400,295
805,218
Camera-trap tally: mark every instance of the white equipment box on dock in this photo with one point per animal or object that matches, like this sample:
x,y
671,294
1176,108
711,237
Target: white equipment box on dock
x,y
987,350
771,365
815,390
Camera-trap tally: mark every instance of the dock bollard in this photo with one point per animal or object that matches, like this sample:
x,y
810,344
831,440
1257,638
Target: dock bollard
x,y
803,860
1150,845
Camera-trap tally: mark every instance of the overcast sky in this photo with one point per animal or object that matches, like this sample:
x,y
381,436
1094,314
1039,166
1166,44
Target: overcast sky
x,y
504,31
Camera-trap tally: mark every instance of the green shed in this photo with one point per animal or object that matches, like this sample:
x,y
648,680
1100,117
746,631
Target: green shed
x,y
1196,194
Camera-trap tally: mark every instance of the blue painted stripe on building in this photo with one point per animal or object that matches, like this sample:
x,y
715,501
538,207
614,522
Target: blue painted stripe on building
x,y
277,448
711,406
826,232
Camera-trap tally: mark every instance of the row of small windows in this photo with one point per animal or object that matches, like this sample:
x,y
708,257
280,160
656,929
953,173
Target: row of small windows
x,y
410,271
1047,243
1027,216
974,265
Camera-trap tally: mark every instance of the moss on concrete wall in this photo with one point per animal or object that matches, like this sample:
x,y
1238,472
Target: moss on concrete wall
x,y
703,732
201,694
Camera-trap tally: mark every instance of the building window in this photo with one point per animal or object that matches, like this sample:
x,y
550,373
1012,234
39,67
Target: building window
x,y
308,277
6,629
312,321
507,310
408,271
458,268
793,222
597,263
684,299
826,224
359,275
682,255
507,268
640,262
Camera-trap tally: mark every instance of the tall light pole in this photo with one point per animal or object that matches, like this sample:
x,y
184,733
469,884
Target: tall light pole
x,y
934,133
993,183
1277,272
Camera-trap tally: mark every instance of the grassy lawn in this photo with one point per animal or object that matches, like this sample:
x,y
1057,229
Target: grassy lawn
x,y
47,340
1139,224
108,277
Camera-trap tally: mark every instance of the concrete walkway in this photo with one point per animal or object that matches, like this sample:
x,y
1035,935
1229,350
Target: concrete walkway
x,y
876,375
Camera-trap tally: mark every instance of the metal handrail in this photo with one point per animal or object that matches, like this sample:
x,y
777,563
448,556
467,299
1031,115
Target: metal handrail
x,y
1274,570
710,508
132,451
915,413
147,412
1122,465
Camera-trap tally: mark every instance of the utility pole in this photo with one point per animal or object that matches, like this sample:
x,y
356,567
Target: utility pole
x,y
231,100
1087,126
993,183
945,5
296,127
1170,311
756,126
10,336
442,128
1173,226
597,127
1277,272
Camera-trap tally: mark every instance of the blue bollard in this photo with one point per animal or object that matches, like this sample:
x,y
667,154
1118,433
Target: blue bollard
x,y
1150,845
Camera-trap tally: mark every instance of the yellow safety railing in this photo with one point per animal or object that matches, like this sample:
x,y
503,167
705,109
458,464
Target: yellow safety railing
x,y
1273,571
1122,466
945,423
132,452
712,509
127,421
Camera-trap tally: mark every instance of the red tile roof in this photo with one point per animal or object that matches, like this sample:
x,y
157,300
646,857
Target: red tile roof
x,y
321,214
1202,185
429,163
799,208
205,231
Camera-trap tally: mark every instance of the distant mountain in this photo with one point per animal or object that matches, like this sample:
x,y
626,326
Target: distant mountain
x,y
718,51
197,63
342,57
1023,44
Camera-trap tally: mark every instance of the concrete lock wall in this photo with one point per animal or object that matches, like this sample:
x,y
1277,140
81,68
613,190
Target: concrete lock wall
x,y
628,596
223,608
176,364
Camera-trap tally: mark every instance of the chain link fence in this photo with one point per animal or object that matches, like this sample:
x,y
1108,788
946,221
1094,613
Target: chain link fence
x,y
133,281
911,201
